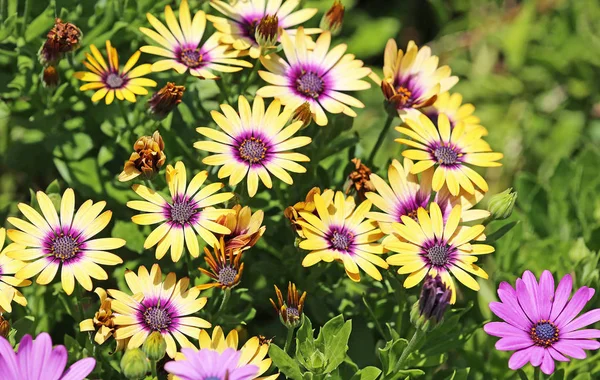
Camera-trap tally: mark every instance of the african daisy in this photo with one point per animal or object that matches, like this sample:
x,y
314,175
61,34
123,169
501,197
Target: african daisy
x,y
8,267
109,80
211,364
51,242
540,322
189,213
452,106
254,143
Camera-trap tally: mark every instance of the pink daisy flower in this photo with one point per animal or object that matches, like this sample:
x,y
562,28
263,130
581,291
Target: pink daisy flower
x,y
540,322
211,365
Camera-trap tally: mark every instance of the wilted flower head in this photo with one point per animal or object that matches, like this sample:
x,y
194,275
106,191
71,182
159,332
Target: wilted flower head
x,y
290,310
165,100
429,310
303,114
50,77
146,160
267,31
4,327
292,213
332,19
502,204
225,267
246,228
359,179
63,38
103,321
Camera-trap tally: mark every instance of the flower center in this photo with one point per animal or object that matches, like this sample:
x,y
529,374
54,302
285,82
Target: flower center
x,y
341,240
544,333
64,247
446,155
227,275
438,255
251,28
310,84
181,212
157,318
191,57
252,150
403,95
114,80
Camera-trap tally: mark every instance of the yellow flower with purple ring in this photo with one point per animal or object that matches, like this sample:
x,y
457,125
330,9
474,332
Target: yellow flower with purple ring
x,y
8,282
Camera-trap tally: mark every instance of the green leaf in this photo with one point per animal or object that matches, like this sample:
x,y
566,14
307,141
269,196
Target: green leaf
x,y
336,342
131,233
53,187
460,374
390,354
40,25
285,363
367,373
494,236
24,326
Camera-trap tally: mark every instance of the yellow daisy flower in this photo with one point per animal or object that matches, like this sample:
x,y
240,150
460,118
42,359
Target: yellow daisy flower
x,y
109,80
226,269
412,79
241,19
8,267
452,106
432,246
450,150
157,305
254,143
347,238
188,214
51,242
253,352
316,76
181,44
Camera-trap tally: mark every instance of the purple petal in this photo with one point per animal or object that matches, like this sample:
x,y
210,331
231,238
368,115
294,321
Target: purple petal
x,y
503,329
247,372
547,363
573,308
566,348
8,360
513,343
506,292
532,290
563,291
537,355
510,315
586,344
527,300
57,361
80,369
42,351
583,320
581,334
545,294
26,357
509,297
519,359
557,355
179,368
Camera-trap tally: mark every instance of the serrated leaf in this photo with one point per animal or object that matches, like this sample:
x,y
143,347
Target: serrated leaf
x,y
288,366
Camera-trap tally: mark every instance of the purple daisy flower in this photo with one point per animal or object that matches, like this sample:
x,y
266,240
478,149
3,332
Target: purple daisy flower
x,y
37,360
211,365
540,321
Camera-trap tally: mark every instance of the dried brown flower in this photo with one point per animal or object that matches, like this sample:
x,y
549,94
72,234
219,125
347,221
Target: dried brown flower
x,y
165,100
63,38
147,159
50,77
246,228
359,179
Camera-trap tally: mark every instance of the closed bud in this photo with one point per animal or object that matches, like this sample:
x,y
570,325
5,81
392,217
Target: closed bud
x,y
267,31
303,114
50,77
134,364
165,100
4,327
427,313
289,309
332,19
501,205
155,346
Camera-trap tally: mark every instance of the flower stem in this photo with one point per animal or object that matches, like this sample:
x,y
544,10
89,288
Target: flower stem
x,y
124,113
153,369
149,184
536,373
288,340
372,314
382,134
25,16
223,90
250,76
226,296
414,341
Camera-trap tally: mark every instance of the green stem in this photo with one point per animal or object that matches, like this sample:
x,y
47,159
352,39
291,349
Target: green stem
x,y
372,314
226,296
124,113
153,369
2,4
382,135
149,184
288,339
536,373
25,16
250,76
223,90
412,345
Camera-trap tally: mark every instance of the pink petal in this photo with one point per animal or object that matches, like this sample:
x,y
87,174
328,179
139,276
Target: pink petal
x,y
505,291
8,360
513,343
573,308
586,344
545,294
509,297
547,363
80,369
563,291
557,355
519,359
510,315
42,351
56,363
581,334
503,329
583,320
537,355
526,294
568,349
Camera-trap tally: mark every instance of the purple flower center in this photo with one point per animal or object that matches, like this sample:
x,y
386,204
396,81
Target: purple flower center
x,y
292,313
250,28
114,80
182,211
191,57
157,318
544,333
252,150
341,240
227,275
438,254
310,84
445,155
64,247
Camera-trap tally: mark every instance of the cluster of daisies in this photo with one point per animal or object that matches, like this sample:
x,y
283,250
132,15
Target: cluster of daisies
x,y
424,219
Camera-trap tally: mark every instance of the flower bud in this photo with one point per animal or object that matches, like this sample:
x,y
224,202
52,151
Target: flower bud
x,y
332,19
501,205
303,114
63,38
165,100
290,309
146,160
134,364
427,313
267,31
50,77
4,327
155,346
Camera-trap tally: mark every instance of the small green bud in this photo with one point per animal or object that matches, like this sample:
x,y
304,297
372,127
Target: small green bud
x,y
501,205
267,31
155,346
134,364
332,19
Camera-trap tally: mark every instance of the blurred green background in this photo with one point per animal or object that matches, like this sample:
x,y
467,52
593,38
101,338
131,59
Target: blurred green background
x,y
531,68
